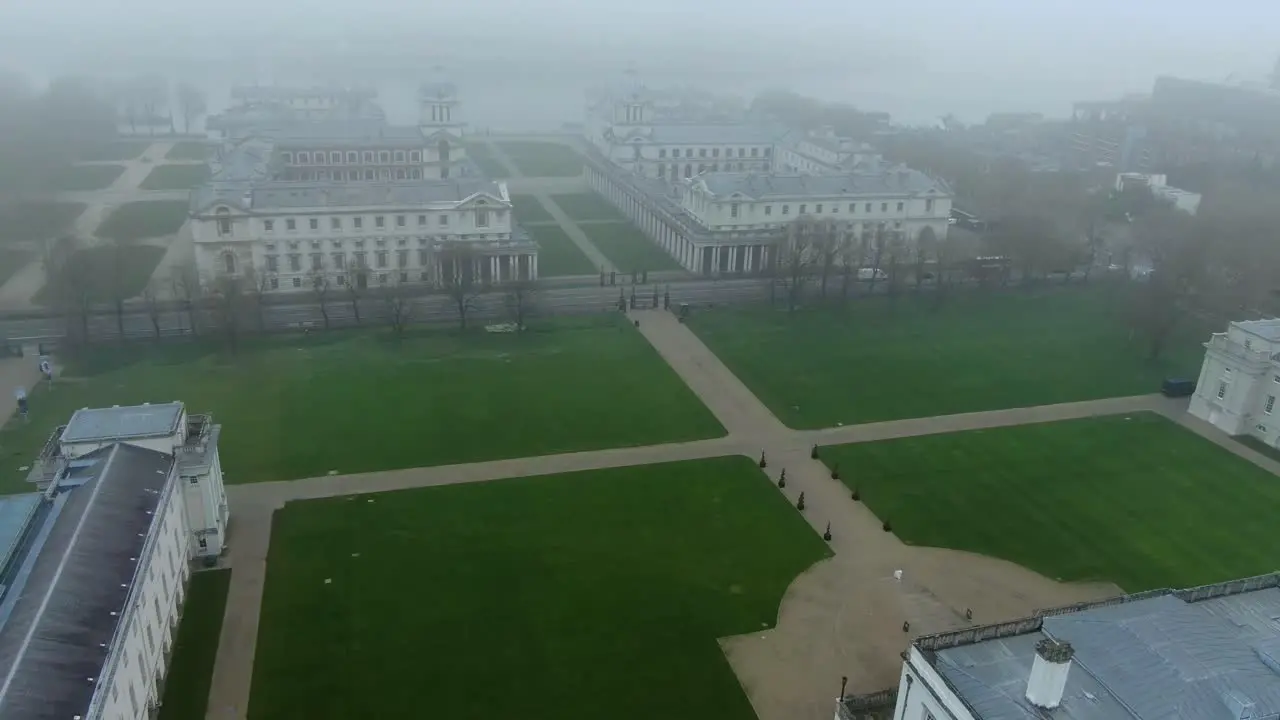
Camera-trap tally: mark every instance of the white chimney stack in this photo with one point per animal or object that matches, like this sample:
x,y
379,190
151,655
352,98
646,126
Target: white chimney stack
x,y
1048,678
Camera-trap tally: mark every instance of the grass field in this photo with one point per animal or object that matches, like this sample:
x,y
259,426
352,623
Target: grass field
x,y
114,151
527,209
294,406
1135,500
137,264
629,248
188,150
85,177
175,177
483,157
36,221
186,687
557,255
562,597
11,261
542,159
144,219
587,206
877,360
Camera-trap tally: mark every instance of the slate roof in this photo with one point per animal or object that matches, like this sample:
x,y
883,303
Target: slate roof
x,y
1150,659
85,570
122,423
712,134
416,193
758,186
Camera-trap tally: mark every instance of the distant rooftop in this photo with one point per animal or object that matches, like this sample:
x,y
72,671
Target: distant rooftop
x,y
402,194
1269,328
1210,653
713,134
762,187
15,512
123,423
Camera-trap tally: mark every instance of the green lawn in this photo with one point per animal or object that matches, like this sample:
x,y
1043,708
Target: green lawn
x,y
175,177
137,263
543,159
557,255
144,219
587,206
629,248
562,597
877,360
85,177
11,261
527,209
483,157
1135,500
189,150
297,406
186,688
116,150
36,221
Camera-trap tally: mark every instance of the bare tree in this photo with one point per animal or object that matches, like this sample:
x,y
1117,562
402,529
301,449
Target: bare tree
x,y
879,243
187,290
520,298
398,299
73,280
795,256
151,298
320,289
460,278
228,301
192,101
116,275
853,252
826,248
1177,250
925,248
357,283
257,285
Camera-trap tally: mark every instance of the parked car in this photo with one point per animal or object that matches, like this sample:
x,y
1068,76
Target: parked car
x,y
1177,387
872,274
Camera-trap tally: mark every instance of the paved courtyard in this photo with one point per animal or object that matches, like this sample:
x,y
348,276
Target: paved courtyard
x,y
843,617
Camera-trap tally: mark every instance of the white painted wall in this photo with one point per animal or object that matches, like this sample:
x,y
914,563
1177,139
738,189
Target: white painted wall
x,y
924,695
205,500
136,665
1238,365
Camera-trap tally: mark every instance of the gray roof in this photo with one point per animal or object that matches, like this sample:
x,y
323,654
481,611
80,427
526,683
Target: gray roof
x,y
346,132
1269,328
763,187
1149,659
15,511
403,194
123,423
712,134
84,565
260,93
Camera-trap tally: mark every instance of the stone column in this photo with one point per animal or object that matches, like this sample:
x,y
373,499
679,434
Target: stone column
x,y
533,267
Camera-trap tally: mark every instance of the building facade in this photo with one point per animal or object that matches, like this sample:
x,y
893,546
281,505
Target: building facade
x,y
355,202
1207,652
717,196
96,564
1240,380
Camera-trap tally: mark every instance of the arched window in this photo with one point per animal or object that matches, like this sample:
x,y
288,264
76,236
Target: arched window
x,y
229,263
335,157
352,158
224,220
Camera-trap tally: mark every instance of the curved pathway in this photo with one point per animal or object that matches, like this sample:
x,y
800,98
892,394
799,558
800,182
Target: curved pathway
x,y
844,616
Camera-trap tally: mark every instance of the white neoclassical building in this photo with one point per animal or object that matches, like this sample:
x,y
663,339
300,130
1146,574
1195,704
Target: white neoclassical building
x,y
96,563
716,195
1210,652
355,201
1240,381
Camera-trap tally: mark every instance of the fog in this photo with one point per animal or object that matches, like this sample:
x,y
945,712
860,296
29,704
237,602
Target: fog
x,y
525,65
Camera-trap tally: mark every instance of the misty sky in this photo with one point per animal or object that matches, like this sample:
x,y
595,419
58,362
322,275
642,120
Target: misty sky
x,y
917,60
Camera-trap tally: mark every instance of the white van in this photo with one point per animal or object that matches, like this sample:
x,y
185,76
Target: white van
x,y
872,274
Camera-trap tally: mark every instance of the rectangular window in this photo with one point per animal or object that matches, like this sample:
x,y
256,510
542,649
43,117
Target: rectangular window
x,y
802,209
742,152
358,222
379,221
422,220
868,208
715,152
768,209
317,261
786,209
335,158
133,699
1222,390
754,152
339,261
315,223
900,207
399,156
368,156
444,221
733,210
335,223
818,208
269,225
415,156
291,224
482,218
382,258
297,282
1271,404
402,258
884,207
424,256
702,152
353,158
928,205
273,263
662,153
368,175
400,221
384,157
295,263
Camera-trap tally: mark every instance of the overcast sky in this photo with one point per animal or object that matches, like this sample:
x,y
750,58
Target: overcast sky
x,y
920,58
